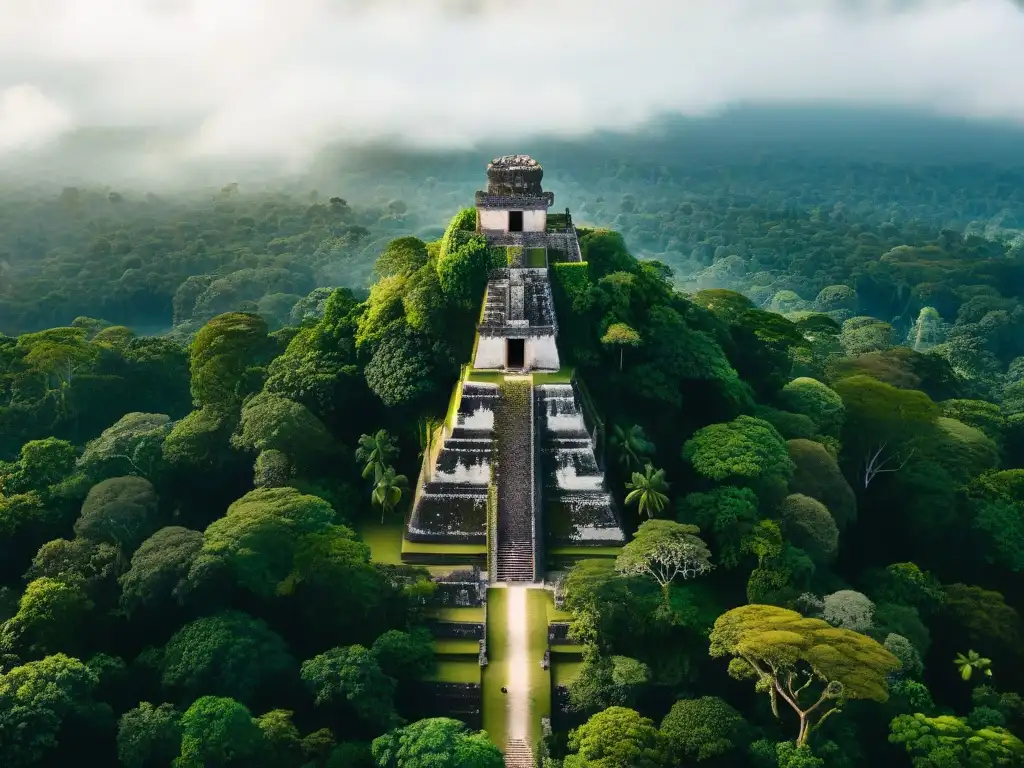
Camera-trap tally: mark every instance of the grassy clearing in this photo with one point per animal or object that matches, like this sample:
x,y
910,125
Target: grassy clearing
x,y
540,679
536,258
481,376
456,671
582,553
495,674
563,376
456,614
564,671
567,649
384,541
435,548
456,647
554,614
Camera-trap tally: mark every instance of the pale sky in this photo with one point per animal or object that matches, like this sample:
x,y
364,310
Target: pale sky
x,y
277,80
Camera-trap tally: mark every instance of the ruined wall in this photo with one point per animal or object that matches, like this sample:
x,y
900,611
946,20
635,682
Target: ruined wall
x,y
496,219
542,352
493,219
490,352
535,221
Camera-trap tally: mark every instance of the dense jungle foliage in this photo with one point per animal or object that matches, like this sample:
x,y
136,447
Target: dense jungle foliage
x,y
813,387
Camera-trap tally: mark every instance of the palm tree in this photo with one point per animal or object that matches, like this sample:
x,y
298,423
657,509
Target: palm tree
x,y
631,447
972,661
647,491
388,490
377,451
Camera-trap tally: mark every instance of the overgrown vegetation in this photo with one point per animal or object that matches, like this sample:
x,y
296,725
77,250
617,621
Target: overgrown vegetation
x,y
828,468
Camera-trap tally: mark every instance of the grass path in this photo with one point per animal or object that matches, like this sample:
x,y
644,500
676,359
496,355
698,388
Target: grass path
x,y
518,665
495,674
516,639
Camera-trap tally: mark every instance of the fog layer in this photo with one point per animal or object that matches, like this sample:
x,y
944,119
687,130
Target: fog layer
x,y
179,81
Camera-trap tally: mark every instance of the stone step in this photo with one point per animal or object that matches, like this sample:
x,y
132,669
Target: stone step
x,y
518,754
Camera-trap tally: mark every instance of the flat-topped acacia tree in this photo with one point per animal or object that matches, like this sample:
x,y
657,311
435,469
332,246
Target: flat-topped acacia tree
x,y
664,550
809,664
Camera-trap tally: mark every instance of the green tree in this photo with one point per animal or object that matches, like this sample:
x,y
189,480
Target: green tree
x,y
76,561
225,359
616,738
376,452
703,729
620,335
403,256
936,742
746,450
723,303
388,491
50,617
865,334
463,271
822,404
764,541
790,656
437,742
849,609
972,661
816,474
227,654
271,422
352,677
149,736
884,425
257,539
132,446
726,514
122,511
607,681
648,491
402,370
809,525
630,447
282,745
40,465
198,443
995,503
36,700
663,550
405,655
158,574
218,732
58,355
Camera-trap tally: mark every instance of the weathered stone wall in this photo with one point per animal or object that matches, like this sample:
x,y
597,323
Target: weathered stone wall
x,y
490,352
542,353
535,221
496,220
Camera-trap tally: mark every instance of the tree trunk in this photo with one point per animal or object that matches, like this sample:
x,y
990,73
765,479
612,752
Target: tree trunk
x,y
805,731
622,351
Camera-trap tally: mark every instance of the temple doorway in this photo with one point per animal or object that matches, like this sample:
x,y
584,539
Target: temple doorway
x,y
515,354
515,221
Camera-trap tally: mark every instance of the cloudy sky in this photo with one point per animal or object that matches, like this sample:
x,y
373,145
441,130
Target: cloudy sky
x,y
279,79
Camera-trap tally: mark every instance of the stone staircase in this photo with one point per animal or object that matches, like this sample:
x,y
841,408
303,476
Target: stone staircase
x,y
518,754
451,503
514,433
578,507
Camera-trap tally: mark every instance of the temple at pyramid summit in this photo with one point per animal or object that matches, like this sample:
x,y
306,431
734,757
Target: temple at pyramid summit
x,y
517,471
512,490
